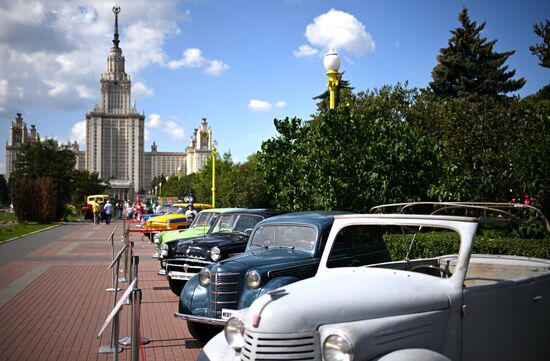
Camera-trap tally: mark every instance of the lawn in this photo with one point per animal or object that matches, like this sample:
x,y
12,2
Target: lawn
x,y
9,228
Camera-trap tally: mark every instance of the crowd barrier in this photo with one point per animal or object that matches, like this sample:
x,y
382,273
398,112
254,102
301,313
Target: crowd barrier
x,y
132,296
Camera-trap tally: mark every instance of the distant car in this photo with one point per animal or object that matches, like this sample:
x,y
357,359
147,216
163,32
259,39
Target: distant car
x,y
226,237
198,228
87,208
281,250
455,306
167,208
174,220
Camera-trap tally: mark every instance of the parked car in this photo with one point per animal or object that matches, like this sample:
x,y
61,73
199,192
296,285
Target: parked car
x,y
87,207
458,306
281,250
198,228
226,237
175,219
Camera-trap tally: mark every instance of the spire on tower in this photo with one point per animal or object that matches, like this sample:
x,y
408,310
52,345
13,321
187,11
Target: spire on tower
x,y
116,10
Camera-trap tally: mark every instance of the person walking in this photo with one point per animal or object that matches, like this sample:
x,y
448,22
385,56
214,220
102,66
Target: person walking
x,y
108,209
95,210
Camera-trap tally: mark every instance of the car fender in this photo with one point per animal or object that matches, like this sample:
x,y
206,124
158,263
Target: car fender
x,y
276,283
194,298
217,349
408,354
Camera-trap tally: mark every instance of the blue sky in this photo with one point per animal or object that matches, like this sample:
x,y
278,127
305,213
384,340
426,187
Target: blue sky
x,y
238,63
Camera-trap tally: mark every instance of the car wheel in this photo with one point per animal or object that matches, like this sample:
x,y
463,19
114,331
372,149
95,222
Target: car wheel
x,y
202,332
176,286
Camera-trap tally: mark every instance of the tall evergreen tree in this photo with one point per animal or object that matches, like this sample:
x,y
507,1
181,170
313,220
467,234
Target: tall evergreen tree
x,y
542,50
469,67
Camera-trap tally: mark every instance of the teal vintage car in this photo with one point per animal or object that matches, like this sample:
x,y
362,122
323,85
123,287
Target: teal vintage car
x,y
198,228
281,250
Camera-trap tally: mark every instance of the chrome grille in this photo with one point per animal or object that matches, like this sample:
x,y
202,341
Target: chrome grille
x,y
223,292
283,346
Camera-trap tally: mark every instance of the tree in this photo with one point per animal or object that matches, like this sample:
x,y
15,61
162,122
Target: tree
x,y
86,183
469,68
42,160
542,50
352,158
4,193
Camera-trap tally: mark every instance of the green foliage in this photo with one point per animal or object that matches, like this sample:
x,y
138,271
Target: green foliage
x,y
360,155
469,68
4,193
434,244
84,184
237,185
542,50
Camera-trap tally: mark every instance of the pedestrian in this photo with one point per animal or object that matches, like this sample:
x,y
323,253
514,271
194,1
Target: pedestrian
x,y
190,213
108,212
129,211
95,210
120,207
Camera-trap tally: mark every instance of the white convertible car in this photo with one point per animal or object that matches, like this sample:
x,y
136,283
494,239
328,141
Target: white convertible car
x,y
457,306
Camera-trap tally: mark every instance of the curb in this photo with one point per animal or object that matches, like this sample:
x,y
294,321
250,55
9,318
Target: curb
x,y
28,234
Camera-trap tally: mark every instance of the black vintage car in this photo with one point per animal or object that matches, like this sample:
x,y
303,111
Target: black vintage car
x,y
227,237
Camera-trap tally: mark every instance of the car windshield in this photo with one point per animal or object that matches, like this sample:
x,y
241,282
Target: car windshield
x,y
236,223
203,219
175,209
285,236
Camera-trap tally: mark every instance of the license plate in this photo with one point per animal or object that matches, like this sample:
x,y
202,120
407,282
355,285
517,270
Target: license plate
x,y
180,275
227,313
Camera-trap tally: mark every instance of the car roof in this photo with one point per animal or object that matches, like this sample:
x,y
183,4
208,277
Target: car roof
x,y
262,211
318,218
221,210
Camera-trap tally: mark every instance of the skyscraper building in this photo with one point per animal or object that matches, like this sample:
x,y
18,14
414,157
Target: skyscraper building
x,y
115,137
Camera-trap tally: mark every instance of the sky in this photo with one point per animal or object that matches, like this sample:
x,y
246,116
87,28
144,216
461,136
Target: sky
x,y
240,64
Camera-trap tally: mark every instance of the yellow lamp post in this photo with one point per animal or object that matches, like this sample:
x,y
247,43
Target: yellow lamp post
x,y
332,64
160,188
179,172
214,145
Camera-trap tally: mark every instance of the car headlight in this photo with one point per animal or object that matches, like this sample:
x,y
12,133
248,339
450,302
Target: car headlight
x,y
156,238
253,279
204,277
337,348
164,250
233,331
215,254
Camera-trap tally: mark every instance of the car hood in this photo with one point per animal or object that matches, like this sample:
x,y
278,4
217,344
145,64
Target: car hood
x,y
264,259
208,242
348,295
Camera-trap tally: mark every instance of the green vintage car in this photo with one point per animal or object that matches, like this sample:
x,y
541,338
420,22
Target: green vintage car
x,y
198,228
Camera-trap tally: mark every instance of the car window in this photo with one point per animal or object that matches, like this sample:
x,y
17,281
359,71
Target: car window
x,y
357,245
287,236
203,219
246,222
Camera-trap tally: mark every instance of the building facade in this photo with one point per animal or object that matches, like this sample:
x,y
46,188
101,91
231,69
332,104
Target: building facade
x,y
115,137
19,135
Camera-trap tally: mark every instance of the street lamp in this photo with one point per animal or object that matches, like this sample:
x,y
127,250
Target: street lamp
x,y
160,188
332,64
179,172
214,146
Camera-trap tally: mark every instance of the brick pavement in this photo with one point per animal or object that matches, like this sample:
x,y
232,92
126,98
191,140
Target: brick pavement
x,y
53,301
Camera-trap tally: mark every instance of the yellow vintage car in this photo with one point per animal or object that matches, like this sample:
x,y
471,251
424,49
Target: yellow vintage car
x,y
174,220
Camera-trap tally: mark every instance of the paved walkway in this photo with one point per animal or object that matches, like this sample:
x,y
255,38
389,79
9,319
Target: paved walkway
x,y
53,299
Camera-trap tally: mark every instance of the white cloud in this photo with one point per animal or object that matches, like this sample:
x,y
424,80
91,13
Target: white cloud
x,y
170,127
339,30
305,50
154,121
280,104
3,88
146,135
54,51
193,58
78,132
141,91
259,105
174,130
